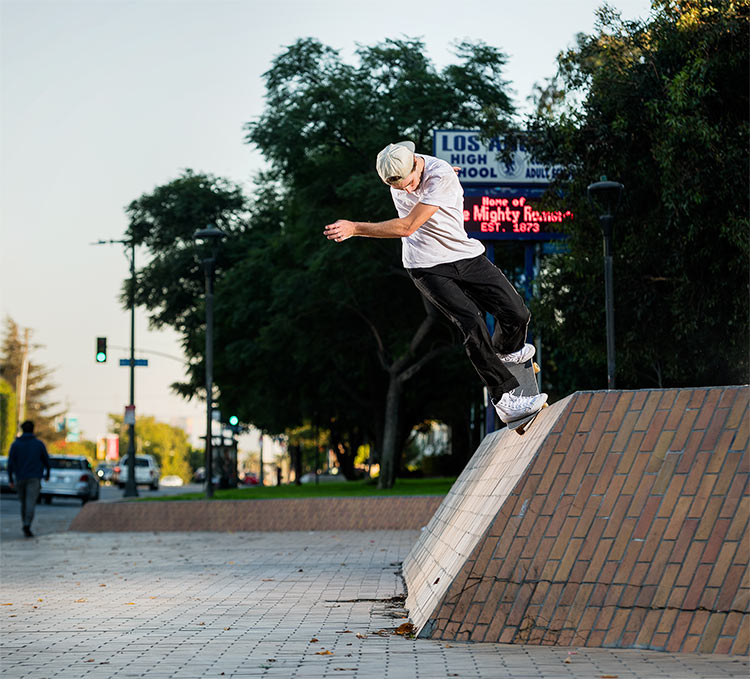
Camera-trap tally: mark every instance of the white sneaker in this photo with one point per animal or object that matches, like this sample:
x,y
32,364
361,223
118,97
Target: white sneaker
x,y
520,356
511,407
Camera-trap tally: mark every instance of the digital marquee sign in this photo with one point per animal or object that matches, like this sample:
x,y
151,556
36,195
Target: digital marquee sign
x,y
502,192
512,216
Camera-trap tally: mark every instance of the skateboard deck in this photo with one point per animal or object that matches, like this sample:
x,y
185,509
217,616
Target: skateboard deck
x,y
525,373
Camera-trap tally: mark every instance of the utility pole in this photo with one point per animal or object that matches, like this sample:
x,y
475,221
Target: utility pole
x,y
131,490
24,377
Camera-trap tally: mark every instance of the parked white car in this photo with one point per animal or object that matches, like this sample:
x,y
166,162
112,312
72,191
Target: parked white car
x,y
172,480
70,476
147,472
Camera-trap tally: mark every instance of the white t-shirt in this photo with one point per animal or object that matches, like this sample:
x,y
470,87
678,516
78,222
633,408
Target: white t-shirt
x,y
442,238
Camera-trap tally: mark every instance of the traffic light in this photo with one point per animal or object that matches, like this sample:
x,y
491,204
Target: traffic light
x,y
234,425
101,349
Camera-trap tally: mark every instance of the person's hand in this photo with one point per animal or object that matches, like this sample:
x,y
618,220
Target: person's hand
x,y
340,230
456,168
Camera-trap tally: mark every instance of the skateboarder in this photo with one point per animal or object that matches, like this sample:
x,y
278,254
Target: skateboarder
x,y
451,270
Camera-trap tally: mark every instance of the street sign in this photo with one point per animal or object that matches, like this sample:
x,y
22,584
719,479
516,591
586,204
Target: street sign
x,y
129,415
136,362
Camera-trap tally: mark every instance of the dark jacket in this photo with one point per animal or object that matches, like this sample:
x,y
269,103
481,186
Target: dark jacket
x,y
27,459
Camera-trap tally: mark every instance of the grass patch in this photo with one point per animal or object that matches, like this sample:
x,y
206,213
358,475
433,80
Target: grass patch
x,y
429,486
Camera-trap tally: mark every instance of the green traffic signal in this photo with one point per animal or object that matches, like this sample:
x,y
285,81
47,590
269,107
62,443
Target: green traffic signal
x,y
234,420
101,349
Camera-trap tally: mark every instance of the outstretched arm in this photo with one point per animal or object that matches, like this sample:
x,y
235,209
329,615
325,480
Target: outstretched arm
x,y
398,227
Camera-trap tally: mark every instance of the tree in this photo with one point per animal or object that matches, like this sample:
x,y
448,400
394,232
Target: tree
x,y
168,444
84,448
660,106
8,416
29,380
324,123
307,332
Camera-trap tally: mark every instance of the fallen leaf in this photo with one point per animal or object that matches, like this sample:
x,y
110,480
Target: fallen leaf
x,y
313,640
201,623
567,661
7,604
40,599
345,631
361,636
226,628
405,630
230,563
323,653
271,660
80,601
90,660
102,585
268,580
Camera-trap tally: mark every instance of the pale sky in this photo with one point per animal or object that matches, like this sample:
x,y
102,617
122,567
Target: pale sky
x,y
102,101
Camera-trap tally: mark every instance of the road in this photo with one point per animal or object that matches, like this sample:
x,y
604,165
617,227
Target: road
x,y
56,517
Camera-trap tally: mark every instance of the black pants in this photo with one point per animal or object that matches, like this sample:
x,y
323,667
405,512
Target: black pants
x,y
464,291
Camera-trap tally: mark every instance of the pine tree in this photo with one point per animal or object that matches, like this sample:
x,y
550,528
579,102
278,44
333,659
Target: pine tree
x,y
29,380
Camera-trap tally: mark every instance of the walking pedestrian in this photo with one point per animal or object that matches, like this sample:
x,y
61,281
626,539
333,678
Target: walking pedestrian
x,y
451,270
28,462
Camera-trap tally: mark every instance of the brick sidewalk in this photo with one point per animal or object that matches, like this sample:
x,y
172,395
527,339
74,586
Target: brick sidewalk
x,y
256,604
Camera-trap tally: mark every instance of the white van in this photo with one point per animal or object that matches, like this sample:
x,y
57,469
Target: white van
x,y
147,472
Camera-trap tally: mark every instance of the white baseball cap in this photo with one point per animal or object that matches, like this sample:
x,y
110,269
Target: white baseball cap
x,y
395,161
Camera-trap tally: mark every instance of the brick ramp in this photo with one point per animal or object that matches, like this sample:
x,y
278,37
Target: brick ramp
x,y
346,513
623,522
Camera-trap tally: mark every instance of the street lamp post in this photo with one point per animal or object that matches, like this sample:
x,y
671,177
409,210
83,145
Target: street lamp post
x,y
605,196
212,235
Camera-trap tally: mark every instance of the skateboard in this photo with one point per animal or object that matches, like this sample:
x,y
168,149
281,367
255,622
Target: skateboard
x,y
525,373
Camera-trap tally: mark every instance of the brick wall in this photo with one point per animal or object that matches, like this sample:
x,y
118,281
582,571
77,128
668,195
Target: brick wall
x,y
627,528
346,513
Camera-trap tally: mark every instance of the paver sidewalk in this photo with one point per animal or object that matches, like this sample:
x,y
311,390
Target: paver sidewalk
x,y
299,604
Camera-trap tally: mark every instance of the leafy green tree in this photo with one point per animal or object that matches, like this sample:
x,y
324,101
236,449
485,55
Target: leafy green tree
x,y
661,106
367,333
168,444
16,364
170,286
8,416
307,332
84,448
